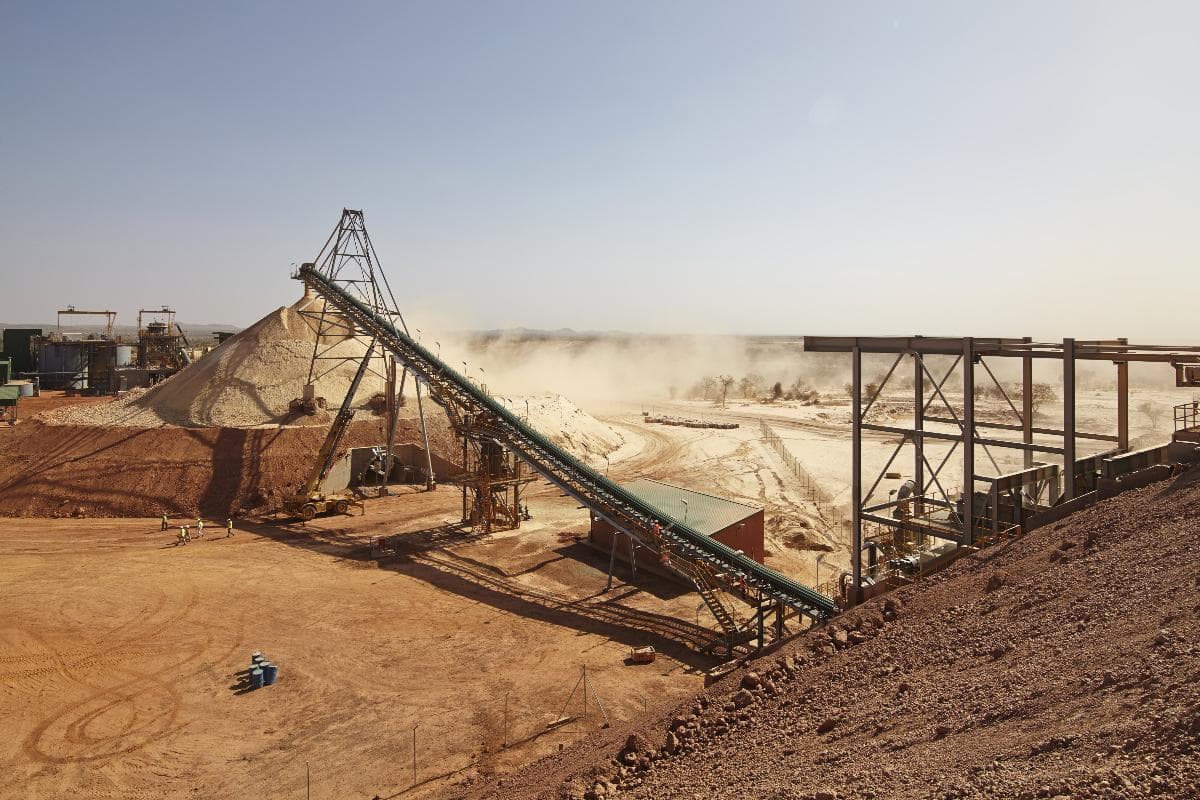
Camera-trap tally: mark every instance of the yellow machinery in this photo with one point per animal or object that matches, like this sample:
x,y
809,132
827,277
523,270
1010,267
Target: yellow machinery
x,y
310,500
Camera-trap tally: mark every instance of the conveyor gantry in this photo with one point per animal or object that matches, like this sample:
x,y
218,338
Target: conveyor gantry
x,y
466,402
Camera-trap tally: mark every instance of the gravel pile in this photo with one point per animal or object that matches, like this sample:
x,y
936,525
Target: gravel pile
x,y
566,424
1064,665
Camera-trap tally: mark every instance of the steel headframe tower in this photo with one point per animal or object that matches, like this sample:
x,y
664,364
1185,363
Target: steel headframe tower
x,y
348,259
492,475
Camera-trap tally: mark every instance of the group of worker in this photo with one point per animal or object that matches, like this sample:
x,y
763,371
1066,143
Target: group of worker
x,y
185,535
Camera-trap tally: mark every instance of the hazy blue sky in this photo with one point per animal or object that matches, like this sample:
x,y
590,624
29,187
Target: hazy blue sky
x,y
839,167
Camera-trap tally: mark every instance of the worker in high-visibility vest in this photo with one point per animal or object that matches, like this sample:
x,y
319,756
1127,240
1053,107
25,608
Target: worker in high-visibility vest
x,y
164,522
228,528
199,528
183,536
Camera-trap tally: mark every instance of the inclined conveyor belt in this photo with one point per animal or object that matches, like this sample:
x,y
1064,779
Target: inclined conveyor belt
x,y
585,484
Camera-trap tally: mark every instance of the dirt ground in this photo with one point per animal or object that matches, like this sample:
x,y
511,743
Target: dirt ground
x,y
121,654
1064,664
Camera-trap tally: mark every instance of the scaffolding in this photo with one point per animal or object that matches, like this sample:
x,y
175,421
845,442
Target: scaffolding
x,y
972,517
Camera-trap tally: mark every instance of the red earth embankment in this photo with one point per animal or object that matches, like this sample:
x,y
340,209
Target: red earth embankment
x,y
73,470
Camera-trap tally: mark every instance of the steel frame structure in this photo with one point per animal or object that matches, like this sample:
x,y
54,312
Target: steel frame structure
x,y
110,319
960,517
471,410
159,340
490,482
349,260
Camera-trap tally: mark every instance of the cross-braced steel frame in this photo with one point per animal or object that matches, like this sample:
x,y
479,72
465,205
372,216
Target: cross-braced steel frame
x,y
348,259
931,510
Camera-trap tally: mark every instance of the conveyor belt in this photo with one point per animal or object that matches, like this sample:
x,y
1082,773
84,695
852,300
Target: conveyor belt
x,y
626,512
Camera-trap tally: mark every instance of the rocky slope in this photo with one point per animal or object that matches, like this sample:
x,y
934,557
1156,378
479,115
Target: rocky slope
x,y
1065,664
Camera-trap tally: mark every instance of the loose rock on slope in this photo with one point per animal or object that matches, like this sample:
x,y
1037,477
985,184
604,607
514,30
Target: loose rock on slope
x,y
1066,664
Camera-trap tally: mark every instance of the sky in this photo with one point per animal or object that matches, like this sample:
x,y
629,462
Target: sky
x,y
938,168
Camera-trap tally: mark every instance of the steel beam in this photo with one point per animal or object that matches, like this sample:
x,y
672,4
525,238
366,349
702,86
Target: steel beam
x,y
915,526
988,347
1005,426
958,437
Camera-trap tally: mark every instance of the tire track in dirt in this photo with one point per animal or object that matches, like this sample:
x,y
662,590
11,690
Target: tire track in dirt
x,y
115,720
660,452
127,717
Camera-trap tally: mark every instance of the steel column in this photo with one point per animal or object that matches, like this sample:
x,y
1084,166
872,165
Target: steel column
x,y
393,416
856,475
918,438
968,481
430,479
1123,402
1027,404
1068,419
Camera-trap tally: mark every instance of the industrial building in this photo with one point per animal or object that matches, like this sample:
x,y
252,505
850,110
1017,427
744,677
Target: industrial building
x,y
735,525
97,362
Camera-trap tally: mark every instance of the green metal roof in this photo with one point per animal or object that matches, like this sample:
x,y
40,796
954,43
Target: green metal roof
x,y
704,512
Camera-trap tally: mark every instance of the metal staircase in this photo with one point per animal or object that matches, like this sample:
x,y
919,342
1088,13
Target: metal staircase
x,y
735,629
468,405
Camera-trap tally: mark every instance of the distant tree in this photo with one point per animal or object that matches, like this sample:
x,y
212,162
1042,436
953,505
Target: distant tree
x,y
725,382
1040,394
707,383
671,392
872,389
751,384
777,390
1152,412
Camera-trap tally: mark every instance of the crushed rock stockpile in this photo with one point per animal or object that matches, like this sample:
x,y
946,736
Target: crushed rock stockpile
x,y
1062,665
249,380
566,424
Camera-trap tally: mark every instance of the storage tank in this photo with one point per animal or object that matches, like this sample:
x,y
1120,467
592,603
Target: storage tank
x,y
124,355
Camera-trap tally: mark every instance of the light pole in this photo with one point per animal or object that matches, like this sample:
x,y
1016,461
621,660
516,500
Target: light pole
x,y
685,511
